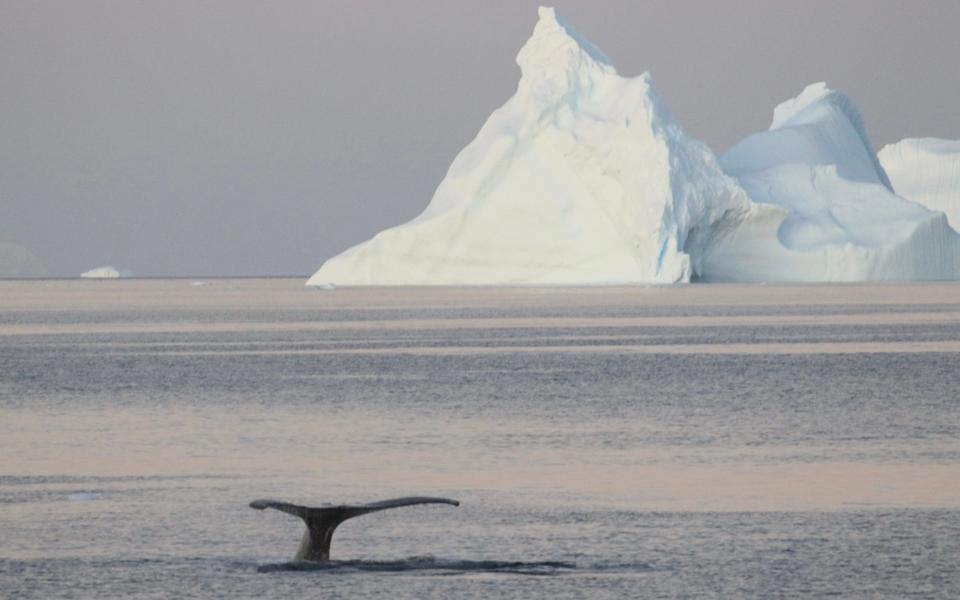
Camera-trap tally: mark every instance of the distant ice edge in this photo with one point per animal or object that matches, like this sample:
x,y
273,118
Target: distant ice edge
x,y
583,177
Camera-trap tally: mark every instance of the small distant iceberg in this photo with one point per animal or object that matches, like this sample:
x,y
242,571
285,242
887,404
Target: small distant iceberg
x,y
105,272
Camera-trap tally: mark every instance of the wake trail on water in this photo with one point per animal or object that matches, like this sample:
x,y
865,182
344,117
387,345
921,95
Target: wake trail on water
x,y
425,564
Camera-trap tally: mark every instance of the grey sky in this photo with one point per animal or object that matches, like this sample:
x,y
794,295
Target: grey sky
x,y
245,138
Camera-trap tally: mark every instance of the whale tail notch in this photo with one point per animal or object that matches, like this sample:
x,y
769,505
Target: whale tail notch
x,y
322,521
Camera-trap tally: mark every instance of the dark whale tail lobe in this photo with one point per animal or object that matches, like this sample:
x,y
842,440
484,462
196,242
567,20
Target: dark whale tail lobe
x,y
321,522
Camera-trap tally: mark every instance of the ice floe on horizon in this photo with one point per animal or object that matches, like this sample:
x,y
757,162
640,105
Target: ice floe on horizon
x,y
104,272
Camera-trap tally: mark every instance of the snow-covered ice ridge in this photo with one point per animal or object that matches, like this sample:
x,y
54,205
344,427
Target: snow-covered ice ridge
x,y
583,177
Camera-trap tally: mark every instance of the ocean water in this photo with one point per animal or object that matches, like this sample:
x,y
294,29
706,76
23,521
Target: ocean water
x,y
635,442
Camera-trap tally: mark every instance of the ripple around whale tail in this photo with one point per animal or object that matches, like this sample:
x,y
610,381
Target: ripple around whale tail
x,y
425,563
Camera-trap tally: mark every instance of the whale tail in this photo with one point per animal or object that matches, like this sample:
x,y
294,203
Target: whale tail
x,y
322,521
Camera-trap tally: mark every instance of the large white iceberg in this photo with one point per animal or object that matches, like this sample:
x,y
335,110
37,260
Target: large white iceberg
x,y
927,171
824,207
582,177
17,262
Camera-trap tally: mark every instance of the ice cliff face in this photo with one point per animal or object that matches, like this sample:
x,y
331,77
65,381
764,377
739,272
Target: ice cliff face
x,y
824,207
926,171
582,177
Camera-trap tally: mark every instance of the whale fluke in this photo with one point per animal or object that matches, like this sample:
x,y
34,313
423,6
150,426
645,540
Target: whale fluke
x,y
322,521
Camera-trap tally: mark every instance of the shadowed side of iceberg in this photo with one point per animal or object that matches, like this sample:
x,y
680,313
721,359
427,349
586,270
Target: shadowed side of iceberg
x,y
824,206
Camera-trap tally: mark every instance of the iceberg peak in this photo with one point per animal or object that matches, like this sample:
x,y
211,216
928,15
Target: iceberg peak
x,y
788,109
820,126
556,59
551,29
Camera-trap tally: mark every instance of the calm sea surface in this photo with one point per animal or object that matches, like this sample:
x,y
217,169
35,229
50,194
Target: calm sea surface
x,y
649,442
